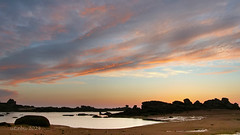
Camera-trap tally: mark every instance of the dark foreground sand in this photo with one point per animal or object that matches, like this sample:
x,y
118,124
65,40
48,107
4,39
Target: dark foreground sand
x,y
215,121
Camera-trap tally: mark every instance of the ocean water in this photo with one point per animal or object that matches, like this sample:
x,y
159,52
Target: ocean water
x,y
57,118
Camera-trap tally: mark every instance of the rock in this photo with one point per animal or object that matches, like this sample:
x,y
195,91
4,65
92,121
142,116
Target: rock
x,y
228,105
82,114
33,120
157,107
5,124
96,116
11,102
235,106
177,103
135,107
225,101
214,104
197,103
187,101
67,115
220,104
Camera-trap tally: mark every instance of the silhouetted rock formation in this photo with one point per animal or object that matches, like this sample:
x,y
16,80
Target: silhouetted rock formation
x,y
159,107
5,124
153,107
11,106
220,104
198,105
178,103
187,101
33,120
11,102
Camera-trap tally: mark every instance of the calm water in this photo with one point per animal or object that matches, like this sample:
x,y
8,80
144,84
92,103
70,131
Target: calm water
x,y
56,118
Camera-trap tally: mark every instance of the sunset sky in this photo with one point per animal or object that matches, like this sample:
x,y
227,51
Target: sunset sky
x,y
109,53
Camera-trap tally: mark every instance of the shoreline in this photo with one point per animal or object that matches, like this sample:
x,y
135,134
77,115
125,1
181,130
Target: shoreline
x,y
215,122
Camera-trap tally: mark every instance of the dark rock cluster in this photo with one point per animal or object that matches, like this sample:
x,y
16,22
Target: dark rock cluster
x,y
187,105
159,107
4,124
220,104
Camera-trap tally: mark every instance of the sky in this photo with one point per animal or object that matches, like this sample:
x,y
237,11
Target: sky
x,y
107,53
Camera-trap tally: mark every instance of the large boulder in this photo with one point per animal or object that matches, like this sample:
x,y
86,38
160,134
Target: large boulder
x,y
33,121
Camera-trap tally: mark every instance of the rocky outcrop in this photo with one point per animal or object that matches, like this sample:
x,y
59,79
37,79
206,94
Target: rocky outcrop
x,y
11,102
187,101
159,107
33,120
220,104
198,105
178,103
4,124
187,105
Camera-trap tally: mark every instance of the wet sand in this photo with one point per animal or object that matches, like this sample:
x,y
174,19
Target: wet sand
x,y
214,122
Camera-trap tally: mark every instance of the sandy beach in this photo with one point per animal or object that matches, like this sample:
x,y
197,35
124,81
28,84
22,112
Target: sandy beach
x,y
214,122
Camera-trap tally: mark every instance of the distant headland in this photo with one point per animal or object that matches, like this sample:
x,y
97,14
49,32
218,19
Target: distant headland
x,y
147,108
12,106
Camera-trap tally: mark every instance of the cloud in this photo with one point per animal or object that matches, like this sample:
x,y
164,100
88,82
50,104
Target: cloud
x,y
43,42
221,72
164,73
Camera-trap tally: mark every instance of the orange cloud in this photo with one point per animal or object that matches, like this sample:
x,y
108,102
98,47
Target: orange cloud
x,y
38,79
105,68
221,72
94,10
6,67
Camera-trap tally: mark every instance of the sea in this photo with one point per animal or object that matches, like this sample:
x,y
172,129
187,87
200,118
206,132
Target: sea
x,y
75,121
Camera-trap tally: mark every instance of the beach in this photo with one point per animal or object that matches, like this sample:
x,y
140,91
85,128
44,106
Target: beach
x,y
213,122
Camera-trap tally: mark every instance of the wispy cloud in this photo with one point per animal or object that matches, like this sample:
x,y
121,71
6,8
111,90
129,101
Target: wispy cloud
x,y
221,72
43,42
164,73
